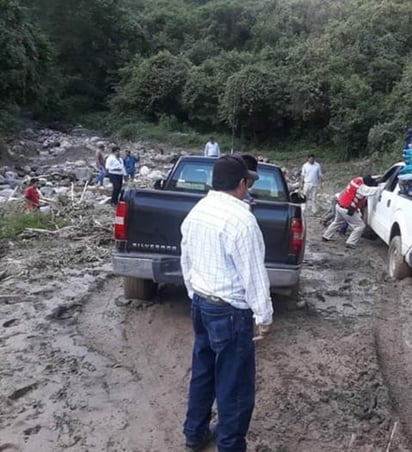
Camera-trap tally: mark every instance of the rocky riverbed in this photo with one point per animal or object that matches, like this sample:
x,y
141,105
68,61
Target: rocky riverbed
x,y
65,162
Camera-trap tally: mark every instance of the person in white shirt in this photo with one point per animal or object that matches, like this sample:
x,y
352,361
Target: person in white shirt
x,y
222,259
212,148
311,179
116,171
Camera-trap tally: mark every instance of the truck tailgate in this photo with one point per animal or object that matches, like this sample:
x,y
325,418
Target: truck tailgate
x,y
156,217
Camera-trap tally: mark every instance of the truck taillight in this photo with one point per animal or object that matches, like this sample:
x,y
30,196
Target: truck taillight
x,y
120,230
297,236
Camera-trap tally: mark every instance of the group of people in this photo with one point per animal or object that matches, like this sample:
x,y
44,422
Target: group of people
x,y
346,211
116,168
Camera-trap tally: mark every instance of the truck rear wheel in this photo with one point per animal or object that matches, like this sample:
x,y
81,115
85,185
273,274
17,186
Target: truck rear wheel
x,y
397,267
136,288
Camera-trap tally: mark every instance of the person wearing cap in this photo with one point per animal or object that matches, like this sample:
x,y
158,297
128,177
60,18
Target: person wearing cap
x,y
223,268
252,165
100,164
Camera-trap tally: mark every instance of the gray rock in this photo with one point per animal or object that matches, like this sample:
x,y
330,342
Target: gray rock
x,y
47,191
65,144
6,193
30,133
83,174
144,171
155,175
61,190
11,175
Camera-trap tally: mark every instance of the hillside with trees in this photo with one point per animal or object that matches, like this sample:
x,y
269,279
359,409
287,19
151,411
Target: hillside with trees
x,y
335,73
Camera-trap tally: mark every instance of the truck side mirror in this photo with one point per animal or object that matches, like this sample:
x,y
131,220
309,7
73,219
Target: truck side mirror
x,y
159,184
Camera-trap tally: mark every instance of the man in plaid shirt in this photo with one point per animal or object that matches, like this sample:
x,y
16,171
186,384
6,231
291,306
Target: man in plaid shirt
x,y
223,268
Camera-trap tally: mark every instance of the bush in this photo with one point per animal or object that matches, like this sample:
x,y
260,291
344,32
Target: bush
x,y
153,86
10,119
14,221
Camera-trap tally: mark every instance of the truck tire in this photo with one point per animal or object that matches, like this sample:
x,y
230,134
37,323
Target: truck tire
x,y
397,267
140,289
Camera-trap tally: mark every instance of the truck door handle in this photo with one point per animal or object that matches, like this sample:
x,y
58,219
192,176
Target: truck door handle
x,y
388,203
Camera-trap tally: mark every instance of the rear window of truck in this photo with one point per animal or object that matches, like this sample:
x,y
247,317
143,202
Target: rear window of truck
x,y
196,177
270,186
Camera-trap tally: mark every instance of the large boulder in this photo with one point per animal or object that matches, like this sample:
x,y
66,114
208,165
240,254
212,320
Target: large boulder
x,y
144,171
11,175
155,175
48,191
83,174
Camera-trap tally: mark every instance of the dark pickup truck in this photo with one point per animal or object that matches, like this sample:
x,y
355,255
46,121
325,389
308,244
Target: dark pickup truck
x,y
147,227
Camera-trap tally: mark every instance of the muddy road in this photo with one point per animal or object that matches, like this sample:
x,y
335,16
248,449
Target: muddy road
x,y
80,370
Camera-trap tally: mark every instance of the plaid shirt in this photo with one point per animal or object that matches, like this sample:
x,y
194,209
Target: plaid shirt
x,y
223,255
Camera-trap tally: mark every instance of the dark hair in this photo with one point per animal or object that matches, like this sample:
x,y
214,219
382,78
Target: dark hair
x,y
311,156
33,180
228,171
251,162
115,148
369,181
101,146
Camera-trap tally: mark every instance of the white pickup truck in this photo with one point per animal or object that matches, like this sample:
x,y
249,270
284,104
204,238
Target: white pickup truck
x,y
389,215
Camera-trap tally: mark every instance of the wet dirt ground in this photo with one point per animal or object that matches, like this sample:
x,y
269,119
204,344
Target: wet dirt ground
x,y
81,371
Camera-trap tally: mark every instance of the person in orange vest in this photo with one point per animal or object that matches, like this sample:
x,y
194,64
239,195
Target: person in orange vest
x,y
348,209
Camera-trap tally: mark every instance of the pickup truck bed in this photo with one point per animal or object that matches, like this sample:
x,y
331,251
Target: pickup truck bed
x,y
148,248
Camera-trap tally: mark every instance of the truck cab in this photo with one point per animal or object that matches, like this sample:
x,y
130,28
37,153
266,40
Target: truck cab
x,y
389,215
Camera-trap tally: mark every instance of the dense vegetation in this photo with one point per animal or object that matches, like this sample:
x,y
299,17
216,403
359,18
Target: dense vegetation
x,y
336,73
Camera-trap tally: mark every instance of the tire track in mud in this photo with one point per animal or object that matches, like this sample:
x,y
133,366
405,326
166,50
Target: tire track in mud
x,y
393,335
143,338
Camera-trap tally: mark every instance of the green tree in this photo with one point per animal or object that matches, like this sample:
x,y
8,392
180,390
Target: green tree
x,y
256,101
153,86
26,57
94,39
206,84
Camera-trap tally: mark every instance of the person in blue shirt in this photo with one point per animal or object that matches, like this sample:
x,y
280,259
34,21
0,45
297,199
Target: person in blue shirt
x,y
130,164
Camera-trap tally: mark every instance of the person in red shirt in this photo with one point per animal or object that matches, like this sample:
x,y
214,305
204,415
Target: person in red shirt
x,y
32,195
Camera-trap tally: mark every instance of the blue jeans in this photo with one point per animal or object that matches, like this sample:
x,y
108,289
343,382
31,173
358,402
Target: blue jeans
x,y
101,176
223,367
